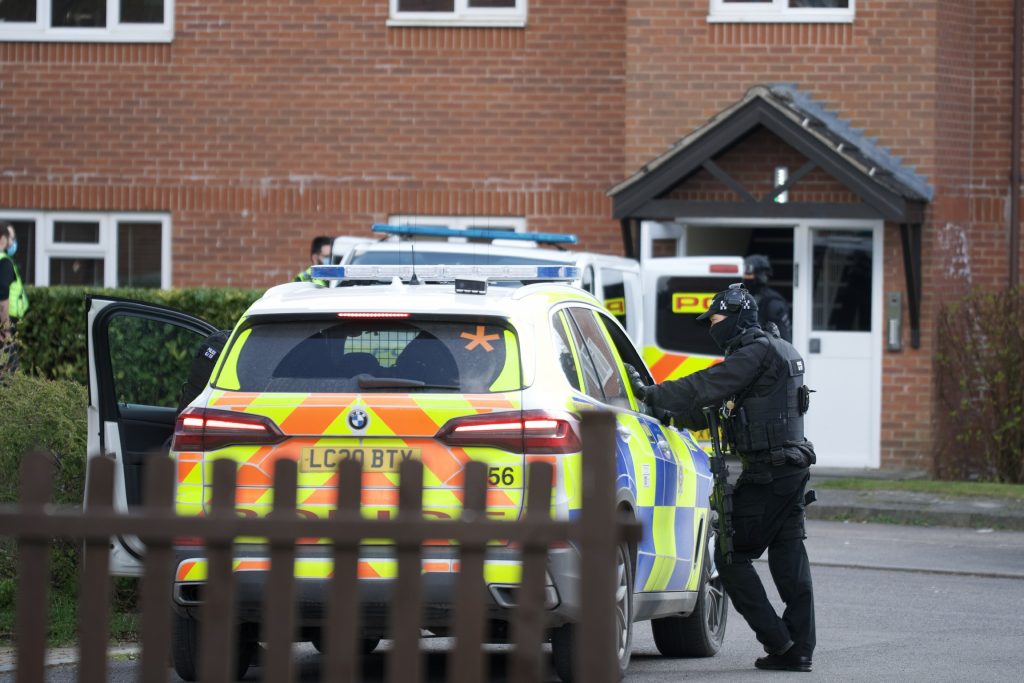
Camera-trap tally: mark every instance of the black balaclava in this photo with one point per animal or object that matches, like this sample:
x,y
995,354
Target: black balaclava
x,y
737,322
757,269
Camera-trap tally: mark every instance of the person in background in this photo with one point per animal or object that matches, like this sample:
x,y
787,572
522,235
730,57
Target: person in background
x,y
319,255
13,301
772,307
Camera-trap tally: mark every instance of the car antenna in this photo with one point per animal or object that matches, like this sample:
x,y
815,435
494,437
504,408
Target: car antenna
x,y
413,280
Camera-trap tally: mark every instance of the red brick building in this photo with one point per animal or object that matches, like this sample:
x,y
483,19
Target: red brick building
x,y
187,142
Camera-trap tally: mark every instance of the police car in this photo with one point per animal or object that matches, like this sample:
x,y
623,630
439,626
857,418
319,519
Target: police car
x,y
415,368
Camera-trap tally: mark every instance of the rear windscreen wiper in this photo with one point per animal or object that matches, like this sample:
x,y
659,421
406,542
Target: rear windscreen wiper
x,y
401,383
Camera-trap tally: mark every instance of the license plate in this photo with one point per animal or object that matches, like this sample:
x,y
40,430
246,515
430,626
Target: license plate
x,y
326,458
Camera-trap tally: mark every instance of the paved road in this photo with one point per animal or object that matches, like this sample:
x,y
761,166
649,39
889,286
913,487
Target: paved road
x,y
894,603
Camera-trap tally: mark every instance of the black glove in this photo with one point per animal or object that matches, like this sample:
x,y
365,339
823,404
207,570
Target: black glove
x,y
636,382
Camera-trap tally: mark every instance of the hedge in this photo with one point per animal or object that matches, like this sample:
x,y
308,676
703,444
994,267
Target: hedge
x,y
53,336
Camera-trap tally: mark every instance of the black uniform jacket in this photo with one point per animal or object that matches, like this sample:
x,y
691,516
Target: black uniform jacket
x,y
686,397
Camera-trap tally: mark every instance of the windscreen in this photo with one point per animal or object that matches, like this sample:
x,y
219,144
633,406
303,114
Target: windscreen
x,y
680,300
367,355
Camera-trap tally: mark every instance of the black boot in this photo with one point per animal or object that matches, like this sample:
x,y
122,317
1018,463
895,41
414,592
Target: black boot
x,y
788,661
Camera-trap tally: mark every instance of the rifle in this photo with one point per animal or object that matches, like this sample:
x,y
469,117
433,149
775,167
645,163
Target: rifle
x,y
722,494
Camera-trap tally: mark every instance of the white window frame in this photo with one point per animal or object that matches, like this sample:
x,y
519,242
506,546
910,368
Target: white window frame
x,y
516,223
104,249
114,32
777,12
463,15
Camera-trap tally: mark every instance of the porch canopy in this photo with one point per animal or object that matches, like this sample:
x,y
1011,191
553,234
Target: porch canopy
x,y
724,169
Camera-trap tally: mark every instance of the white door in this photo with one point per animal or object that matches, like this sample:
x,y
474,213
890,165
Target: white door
x,y
841,335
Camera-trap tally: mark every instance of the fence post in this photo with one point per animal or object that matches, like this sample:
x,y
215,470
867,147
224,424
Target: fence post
x,y
596,658
340,630
279,591
404,664
528,618
218,645
94,595
471,590
158,574
33,570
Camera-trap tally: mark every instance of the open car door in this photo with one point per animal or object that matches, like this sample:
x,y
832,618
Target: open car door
x,y
139,358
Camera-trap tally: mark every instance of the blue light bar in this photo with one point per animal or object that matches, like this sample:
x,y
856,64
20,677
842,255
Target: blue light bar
x,y
442,273
475,233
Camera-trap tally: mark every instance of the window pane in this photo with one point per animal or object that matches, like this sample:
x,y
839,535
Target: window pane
x,y
842,281
77,232
737,2
841,4
17,10
614,294
679,301
145,360
79,13
606,369
142,11
76,271
426,5
564,350
492,3
138,254
25,233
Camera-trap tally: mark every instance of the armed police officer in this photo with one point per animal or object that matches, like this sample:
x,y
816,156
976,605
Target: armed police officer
x,y
758,391
772,307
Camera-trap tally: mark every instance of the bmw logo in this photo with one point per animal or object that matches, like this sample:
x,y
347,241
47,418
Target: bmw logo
x,y
358,419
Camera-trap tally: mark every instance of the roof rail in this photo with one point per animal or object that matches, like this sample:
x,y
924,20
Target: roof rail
x,y
474,233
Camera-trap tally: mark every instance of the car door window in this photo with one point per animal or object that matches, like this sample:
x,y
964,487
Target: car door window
x,y
564,349
604,365
149,360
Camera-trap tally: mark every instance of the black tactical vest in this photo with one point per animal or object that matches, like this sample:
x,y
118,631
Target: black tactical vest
x,y
770,414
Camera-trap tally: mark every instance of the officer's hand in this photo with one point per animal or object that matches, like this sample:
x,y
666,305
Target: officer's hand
x,y
640,390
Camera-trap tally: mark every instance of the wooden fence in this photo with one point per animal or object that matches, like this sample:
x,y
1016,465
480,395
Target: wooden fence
x,y
598,532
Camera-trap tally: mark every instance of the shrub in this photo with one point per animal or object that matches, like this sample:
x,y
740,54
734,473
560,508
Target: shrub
x,y
53,335
980,371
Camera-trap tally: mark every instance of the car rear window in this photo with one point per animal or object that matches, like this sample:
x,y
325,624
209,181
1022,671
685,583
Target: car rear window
x,y
371,355
679,301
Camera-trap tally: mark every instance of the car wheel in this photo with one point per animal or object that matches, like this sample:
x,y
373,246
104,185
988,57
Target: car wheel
x,y
702,632
563,639
367,644
185,648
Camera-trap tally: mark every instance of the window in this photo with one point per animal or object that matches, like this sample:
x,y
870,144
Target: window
x,y
564,350
97,21
768,11
602,379
458,13
507,223
93,249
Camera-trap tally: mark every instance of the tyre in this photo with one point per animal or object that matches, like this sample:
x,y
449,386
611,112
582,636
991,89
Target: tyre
x,y
367,644
563,639
701,633
185,648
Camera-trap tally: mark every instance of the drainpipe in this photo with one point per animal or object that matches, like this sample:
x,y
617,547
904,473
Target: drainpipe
x,y
1015,140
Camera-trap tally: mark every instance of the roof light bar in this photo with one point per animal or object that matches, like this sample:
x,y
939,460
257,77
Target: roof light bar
x,y
474,233
518,273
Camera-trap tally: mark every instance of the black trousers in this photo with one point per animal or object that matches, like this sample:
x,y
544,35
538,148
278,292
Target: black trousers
x,y
771,516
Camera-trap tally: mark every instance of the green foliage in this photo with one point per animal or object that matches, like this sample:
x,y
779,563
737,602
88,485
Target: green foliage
x,y
981,387
53,336
981,489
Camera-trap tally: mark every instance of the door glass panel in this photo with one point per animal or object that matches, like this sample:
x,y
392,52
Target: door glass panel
x,y
426,5
80,232
564,351
18,10
610,387
842,281
25,231
840,4
149,360
76,271
142,11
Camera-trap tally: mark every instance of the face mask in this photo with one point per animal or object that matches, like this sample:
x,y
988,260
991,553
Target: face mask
x,y
722,332
13,248
325,260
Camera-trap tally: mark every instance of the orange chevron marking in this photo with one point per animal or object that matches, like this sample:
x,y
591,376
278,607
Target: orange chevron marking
x,y
666,365
367,572
498,498
404,417
236,399
250,495
253,476
380,496
184,569
310,419
322,496
252,566
185,469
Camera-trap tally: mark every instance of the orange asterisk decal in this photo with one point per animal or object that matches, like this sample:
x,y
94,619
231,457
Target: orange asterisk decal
x,y
479,339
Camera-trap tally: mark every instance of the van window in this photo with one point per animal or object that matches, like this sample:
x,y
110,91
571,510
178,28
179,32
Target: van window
x,y
679,301
332,356
615,294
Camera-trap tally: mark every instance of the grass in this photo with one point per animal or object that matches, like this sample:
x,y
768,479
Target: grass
x,y
943,488
62,616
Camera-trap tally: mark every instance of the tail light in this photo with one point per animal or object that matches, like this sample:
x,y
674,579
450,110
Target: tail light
x,y
531,431
204,429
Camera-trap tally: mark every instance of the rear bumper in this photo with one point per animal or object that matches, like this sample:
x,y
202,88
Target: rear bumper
x,y
377,569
